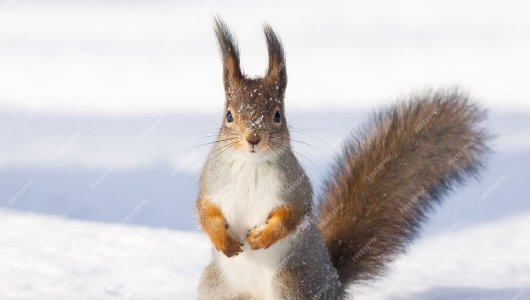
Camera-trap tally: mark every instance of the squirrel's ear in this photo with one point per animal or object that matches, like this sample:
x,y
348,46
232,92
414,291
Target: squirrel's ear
x,y
276,72
229,53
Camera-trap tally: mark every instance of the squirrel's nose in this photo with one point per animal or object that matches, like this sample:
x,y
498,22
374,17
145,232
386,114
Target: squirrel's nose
x,y
253,139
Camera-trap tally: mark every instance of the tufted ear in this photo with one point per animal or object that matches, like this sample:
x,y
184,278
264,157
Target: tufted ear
x,y
276,72
232,75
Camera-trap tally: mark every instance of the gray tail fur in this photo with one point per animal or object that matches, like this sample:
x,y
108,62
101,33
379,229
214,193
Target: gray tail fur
x,y
392,173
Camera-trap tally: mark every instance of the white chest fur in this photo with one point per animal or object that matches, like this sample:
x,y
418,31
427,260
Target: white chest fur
x,y
246,194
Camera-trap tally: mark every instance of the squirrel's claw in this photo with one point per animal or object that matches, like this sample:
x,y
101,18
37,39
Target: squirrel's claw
x,y
232,246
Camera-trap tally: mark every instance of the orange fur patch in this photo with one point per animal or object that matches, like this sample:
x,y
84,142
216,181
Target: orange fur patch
x,y
214,224
282,222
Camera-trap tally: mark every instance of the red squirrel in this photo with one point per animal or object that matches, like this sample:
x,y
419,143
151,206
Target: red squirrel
x,y
255,200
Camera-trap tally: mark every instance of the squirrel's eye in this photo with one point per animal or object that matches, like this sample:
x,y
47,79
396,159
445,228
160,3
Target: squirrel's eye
x,y
229,118
277,117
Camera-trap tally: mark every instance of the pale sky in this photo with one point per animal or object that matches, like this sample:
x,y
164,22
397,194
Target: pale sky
x,y
121,57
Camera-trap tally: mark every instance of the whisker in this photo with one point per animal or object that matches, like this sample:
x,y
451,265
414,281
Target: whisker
x,y
304,133
288,148
201,145
293,140
206,156
307,144
230,146
216,135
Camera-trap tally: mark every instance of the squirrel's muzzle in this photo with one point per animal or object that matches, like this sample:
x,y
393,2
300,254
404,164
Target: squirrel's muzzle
x,y
253,138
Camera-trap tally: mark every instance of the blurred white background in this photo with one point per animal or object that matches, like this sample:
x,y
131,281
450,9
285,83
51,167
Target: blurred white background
x,y
122,57
102,103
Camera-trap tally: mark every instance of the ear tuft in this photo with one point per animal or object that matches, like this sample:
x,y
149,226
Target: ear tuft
x,y
276,72
229,53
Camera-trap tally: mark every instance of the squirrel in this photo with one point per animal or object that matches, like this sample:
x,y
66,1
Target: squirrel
x,y
255,200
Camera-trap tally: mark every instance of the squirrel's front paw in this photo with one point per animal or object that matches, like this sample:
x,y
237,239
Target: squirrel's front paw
x,y
230,246
260,238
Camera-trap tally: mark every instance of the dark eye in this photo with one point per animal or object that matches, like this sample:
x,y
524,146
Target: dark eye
x,y
277,117
229,118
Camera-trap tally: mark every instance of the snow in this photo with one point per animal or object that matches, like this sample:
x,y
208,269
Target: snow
x,y
56,258
486,261
44,257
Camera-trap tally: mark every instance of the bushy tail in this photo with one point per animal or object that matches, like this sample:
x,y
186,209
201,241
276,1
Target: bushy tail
x,y
392,173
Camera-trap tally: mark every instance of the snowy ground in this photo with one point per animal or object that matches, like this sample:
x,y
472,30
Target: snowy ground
x,y
54,258
44,257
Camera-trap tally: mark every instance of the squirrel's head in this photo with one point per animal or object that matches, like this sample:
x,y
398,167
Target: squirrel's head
x,y
254,119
